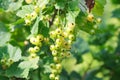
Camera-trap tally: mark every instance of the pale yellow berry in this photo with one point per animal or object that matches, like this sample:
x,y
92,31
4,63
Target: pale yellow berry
x,y
90,17
52,76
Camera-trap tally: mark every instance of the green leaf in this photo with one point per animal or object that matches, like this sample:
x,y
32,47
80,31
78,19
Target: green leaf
x,y
116,13
72,15
27,9
4,34
14,53
34,29
22,70
79,47
99,7
15,5
4,78
11,52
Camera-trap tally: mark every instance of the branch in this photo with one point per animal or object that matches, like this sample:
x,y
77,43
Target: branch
x,y
53,17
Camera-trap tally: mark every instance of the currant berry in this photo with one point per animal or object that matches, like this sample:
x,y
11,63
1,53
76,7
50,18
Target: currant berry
x,y
52,76
37,9
40,37
36,48
28,1
90,17
57,78
58,66
33,15
99,20
52,47
54,71
54,53
27,22
52,65
71,37
59,31
35,41
56,59
31,50
27,16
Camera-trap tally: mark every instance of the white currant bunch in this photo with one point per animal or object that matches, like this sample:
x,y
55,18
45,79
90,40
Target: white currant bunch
x,y
63,38
37,42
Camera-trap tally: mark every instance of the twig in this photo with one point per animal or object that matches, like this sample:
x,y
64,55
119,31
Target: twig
x,y
53,17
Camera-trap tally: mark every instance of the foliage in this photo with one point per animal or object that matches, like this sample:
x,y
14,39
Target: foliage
x,y
59,40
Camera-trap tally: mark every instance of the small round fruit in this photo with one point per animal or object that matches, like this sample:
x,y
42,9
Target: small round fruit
x,y
58,41
28,1
99,20
33,56
54,53
27,16
71,37
52,47
56,59
58,66
40,37
54,71
31,50
71,25
33,15
57,78
52,65
37,9
27,22
35,41
36,48
52,34
90,17
59,31
52,76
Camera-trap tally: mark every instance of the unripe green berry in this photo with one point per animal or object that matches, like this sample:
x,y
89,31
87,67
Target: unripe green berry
x,y
54,71
99,20
52,34
37,9
27,22
90,17
3,61
52,47
54,53
56,59
36,48
10,61
31,50
71,37
28,1
27,16
52,76
71,25
57,78
69,31
32,56
35,41
57,46
33,15
58,66
40,37
52,65
58,41
59,31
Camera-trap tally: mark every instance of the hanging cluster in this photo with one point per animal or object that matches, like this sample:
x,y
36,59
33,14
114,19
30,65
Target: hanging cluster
x,y
6,63
62,38
32,16
37,42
